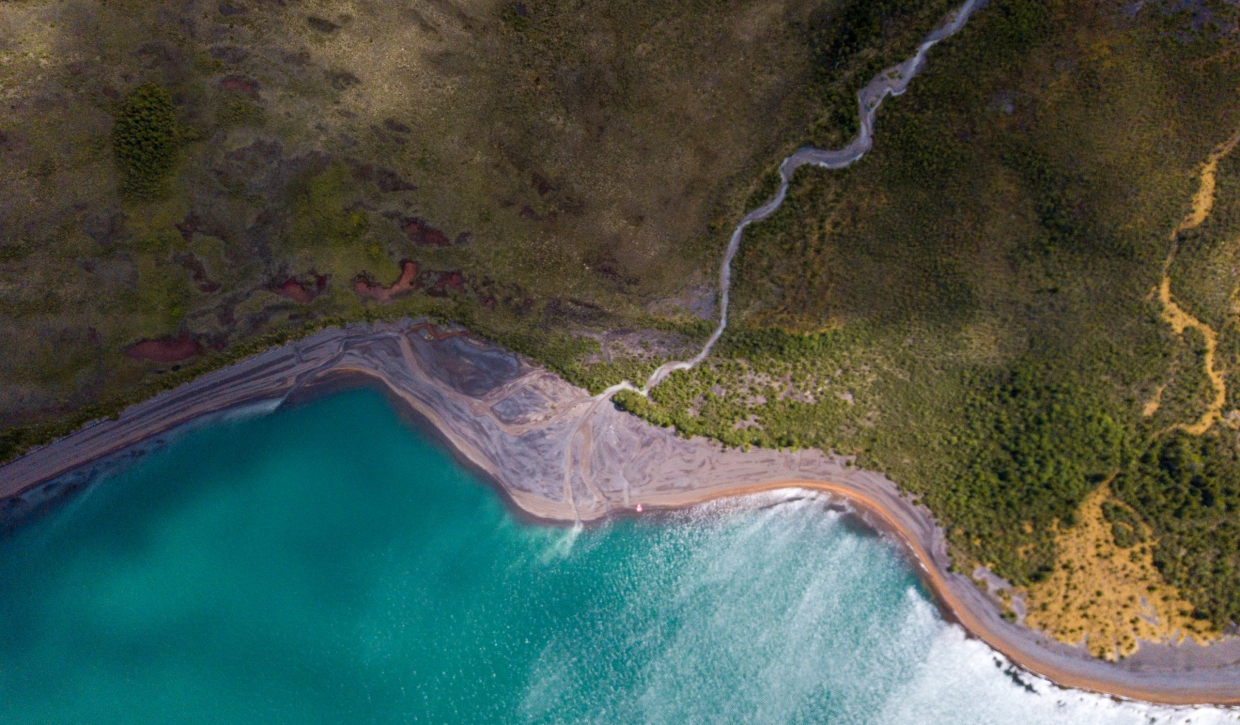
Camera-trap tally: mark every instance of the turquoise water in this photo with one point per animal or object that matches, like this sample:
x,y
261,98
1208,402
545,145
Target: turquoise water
x,y
327,564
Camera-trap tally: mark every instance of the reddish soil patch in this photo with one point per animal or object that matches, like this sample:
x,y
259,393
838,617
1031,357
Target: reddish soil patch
x,y
167,350
240,84
408,278
407,283
424,234
446,281
293,290
301,292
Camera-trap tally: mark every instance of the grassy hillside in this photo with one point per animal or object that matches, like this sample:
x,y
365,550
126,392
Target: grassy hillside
x,y
181,180
199,174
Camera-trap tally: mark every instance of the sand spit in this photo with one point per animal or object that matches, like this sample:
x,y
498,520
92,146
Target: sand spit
x,y
513,422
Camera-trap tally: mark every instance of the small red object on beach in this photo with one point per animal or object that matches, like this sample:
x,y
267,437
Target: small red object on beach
x,y
639,508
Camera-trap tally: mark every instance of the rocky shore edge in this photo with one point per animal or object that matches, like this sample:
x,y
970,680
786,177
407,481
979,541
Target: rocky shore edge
x,y
559,458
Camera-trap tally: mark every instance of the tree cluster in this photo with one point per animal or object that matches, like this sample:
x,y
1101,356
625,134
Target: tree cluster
x,y
144,139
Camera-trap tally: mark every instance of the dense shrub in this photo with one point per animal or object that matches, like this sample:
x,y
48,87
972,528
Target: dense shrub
x,y
1032,447
144,139
1126,526
1188,489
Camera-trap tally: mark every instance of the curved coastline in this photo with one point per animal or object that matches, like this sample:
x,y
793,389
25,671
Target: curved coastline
x,y
524,430
513,423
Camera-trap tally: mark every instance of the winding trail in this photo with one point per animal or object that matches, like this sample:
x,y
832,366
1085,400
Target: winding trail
x,y
1179,318
891,82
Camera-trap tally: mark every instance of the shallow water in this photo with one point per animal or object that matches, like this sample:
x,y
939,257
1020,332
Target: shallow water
x,y
329,564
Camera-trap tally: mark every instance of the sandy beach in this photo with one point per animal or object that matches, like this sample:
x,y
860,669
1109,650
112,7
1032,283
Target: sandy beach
x,y
558,457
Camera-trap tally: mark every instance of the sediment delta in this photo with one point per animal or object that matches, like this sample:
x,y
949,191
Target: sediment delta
x,y
559,457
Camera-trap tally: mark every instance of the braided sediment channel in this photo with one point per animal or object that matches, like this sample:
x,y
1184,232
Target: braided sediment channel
x,y
891,82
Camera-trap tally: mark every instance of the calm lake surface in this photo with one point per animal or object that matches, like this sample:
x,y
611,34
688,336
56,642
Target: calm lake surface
x,y
329,564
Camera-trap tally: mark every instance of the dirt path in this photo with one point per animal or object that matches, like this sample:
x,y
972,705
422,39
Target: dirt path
x,y
1176,316
1179,320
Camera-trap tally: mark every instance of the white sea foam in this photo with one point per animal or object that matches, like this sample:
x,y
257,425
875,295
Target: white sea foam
x,y
559,544
256,409
769,610
964,681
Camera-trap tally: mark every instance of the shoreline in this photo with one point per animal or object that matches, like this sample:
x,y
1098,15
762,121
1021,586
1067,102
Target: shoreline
x,y
524,430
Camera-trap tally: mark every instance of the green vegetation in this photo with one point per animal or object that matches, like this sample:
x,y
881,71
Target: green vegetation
x,y
1126,527
18,438
144,139
1030,449
320,218
849,43
1187,488
970,308
240,112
